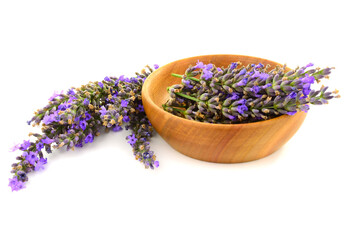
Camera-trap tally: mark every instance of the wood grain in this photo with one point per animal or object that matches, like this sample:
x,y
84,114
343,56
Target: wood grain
x,y
222,143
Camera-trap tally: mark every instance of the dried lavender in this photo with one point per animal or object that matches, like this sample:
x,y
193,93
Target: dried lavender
x,y
245,94
75,118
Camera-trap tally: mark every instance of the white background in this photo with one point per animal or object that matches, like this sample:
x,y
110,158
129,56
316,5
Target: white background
x,y
101,192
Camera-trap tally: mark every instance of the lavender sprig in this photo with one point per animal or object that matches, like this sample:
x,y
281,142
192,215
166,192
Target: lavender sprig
x,y
246,94
77,117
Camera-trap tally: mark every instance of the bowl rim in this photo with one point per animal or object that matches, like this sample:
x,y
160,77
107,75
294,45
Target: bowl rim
x,y
145,93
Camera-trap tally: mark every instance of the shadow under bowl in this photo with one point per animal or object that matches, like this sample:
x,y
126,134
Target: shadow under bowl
x,y
221,143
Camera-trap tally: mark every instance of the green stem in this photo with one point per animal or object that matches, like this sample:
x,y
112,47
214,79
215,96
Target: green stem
x,y
181,76
187,96
179,110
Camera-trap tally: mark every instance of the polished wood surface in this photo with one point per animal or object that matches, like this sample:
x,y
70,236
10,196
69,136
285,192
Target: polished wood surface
x,y
222,143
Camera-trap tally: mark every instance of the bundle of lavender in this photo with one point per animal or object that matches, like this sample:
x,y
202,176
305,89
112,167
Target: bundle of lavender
x,y
73,119
245,94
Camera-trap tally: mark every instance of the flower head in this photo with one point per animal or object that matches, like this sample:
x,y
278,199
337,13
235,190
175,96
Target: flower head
x,y
255,89
31,157
39,146
83,124
208,66
22,176
15,184
124,103
15,147
25,145
71,92
199,65
132,139
242,108
207,74
140,108
292,95
233,65
55,94
89,138
103,111
117,128
242,82
86,102
126,119
47,140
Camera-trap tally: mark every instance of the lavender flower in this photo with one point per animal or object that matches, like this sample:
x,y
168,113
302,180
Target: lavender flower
x,y
89,138
132,139
15,184
124,103
25,145
15,147
73,119
238,95
47,140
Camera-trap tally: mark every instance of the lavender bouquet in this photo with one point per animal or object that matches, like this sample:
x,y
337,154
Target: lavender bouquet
x,y
207,93
73,119
234,94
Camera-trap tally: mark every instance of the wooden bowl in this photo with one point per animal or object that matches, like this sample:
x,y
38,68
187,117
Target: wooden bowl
x,y
222,143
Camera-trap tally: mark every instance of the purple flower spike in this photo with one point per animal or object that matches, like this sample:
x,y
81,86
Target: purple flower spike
x,y
55,94
103,111
31,157
242,82
100,84
140,108
107,79
209,66
242,72
86,102
25,145
292,95
132,139
306,89
124,103
233,66
305,108
40,163
121,78
291,113
242,108
15,184
255,89
308,79
47,119
126,119
71,92
234,96
207,74
89,138
156,164
47,140
117,129
39,146
15,147
83,124
199,65
309,65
